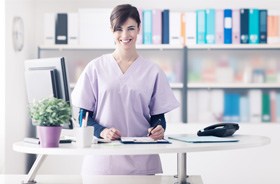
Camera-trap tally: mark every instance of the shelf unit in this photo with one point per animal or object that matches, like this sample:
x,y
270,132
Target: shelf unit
x,y
236,55
184,85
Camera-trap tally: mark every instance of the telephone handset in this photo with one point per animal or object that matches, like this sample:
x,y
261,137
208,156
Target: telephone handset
x,y
219,130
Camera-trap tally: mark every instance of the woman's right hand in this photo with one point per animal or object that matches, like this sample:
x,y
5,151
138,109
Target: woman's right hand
x,y
110,134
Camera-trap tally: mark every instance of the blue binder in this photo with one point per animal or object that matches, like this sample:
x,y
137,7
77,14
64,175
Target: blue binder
x,y
263,26
200,26
165,26
147,27
210,26
244,26
254,26
227,26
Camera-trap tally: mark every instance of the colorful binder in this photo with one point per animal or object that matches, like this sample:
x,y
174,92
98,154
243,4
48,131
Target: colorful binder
x,y
254,26
235,26
219,28
263,26
156,27
210,26
140,35
266,107
147,27
165,26
244,26
201,26
227,26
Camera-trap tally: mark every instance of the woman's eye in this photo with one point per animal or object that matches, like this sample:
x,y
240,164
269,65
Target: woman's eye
x,y
131,29
118,29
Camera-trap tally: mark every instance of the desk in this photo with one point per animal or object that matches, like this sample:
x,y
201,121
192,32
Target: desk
x,y
117,148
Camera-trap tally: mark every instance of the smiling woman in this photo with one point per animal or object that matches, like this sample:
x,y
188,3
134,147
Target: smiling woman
x,y
125,96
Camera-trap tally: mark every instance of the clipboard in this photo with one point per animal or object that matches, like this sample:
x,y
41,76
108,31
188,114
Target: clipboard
x,y
143,140
201,139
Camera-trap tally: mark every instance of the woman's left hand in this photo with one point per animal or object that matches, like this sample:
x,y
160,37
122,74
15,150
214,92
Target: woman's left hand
x,y
157,133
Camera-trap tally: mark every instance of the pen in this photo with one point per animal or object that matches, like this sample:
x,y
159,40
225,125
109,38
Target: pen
x,y
158,123
85,120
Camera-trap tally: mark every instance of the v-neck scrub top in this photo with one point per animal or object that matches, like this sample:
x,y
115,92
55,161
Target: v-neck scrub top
x,y
126,102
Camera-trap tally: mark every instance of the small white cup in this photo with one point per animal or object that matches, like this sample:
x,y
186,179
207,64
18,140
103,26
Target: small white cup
x,y
84,136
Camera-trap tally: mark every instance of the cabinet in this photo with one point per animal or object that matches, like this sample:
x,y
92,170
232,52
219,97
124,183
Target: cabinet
x,y
239,83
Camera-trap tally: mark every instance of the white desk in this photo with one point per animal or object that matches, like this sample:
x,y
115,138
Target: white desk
x,y
117,148
98,179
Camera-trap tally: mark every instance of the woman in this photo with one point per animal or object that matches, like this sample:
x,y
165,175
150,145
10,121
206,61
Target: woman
x,y
125,95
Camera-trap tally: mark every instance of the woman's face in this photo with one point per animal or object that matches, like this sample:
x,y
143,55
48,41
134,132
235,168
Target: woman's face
x,y
126,35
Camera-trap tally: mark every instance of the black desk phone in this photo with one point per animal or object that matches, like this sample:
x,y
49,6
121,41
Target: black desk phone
x,y
219,130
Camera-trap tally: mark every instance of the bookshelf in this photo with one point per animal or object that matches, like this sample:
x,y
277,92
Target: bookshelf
x,y
219,72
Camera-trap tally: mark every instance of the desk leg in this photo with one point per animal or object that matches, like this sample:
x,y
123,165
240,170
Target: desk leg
x,y
34,169
182,168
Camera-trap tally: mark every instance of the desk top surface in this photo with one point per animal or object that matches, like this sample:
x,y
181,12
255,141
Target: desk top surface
x,y
117,148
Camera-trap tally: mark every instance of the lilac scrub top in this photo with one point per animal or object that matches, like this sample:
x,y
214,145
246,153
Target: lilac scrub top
x,y
124,101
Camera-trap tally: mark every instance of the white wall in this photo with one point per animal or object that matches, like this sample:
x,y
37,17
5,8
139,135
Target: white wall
x,y
17,124
2,92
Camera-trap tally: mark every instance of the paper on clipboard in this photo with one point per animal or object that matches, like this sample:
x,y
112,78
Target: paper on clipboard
x,y
143,140
201,139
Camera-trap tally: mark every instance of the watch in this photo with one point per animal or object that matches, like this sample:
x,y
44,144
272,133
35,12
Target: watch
x,y
18,34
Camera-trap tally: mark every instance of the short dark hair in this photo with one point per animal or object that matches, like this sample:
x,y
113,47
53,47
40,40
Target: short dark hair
x,y
121,13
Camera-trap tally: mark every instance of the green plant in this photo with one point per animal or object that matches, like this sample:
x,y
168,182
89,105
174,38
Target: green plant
x,y
50,112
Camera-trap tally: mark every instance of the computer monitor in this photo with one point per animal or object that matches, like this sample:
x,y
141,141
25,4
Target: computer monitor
x,y
47,77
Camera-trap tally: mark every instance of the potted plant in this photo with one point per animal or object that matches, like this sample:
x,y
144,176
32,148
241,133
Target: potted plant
x,y
48,115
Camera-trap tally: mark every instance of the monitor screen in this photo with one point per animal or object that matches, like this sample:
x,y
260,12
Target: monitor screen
x,y
47,77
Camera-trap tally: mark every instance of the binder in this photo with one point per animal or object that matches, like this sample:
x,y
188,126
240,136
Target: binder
x,y
147,27
266,107
139,40
201,26
273,27
210,26
244,26
73,28
244,109
165,26
61,29
190,29
175,28
263,26
156,26
255,105
227,26
219,26
254,26
235,26
49,28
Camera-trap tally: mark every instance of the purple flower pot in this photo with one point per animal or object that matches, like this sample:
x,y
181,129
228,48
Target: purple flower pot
x,y
49,136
